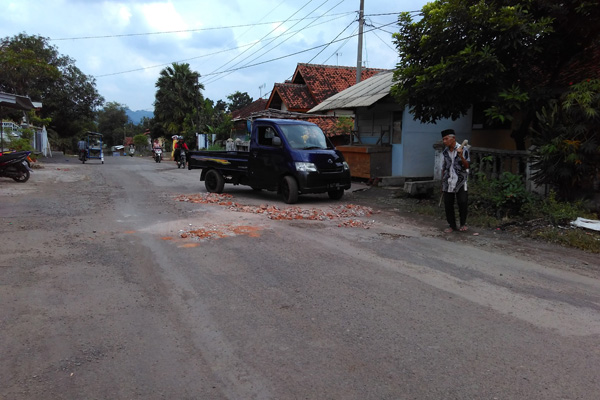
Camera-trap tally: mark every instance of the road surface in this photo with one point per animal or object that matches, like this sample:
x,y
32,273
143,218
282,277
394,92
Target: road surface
x,y
126,281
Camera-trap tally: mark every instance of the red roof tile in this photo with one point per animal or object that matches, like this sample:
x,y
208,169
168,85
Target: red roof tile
x,y
313,83
295,97
323,81
244,112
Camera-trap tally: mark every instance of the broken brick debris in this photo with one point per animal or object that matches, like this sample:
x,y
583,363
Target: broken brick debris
x,y
346,211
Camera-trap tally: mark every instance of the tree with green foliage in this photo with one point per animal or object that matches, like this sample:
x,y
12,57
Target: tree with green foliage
x,y
238,100
30,66
567,152
216,120
343,126
112,123
73,104
141,142
178,100
508,55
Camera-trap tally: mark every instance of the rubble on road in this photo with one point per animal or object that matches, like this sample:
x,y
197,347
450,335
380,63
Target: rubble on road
x,y
221,231
349,212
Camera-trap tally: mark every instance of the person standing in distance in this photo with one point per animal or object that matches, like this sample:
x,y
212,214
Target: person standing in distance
x,y
454,180
82,147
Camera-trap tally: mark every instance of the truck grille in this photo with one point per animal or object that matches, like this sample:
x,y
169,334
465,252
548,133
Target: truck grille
x,y
333,169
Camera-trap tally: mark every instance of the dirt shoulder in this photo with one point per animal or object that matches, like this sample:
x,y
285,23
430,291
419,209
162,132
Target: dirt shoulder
x,y
392,204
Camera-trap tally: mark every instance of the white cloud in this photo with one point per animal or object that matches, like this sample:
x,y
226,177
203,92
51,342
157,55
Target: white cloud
x,y
163,17
122,43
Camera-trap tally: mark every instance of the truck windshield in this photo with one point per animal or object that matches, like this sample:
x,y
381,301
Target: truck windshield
x,y
304,136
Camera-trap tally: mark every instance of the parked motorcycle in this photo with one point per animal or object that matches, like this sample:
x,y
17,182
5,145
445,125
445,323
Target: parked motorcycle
x,y
15,166
182,160
158,155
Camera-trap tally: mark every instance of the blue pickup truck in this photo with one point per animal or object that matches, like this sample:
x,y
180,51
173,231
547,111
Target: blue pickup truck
x,y
291,157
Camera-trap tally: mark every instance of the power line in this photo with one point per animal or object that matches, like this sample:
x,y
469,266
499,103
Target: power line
x,y
209,28
287,55
183,30
265,36
289,37
336,16
333,41
245,66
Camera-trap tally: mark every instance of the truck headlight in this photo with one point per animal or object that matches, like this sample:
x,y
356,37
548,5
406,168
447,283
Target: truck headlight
x,y
306,167
346,166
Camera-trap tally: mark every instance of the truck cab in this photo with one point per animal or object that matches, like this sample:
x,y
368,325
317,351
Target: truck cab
x,y
298,150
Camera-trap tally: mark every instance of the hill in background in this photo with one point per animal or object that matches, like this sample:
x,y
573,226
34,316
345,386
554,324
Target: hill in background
x,y
136,116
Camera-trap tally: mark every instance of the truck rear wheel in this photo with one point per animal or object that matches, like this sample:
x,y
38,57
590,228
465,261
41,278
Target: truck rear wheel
x,y
214,181
289,190
335,194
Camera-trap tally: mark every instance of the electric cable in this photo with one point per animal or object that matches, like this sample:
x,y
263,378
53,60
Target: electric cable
x,y
279,44
272,30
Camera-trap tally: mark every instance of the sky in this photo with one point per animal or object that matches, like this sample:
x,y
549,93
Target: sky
x,y
235,45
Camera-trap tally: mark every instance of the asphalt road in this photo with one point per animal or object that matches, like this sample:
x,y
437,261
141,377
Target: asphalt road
x,y
122,281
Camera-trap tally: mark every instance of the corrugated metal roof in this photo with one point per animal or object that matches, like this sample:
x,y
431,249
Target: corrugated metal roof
x,y
15,101
363,94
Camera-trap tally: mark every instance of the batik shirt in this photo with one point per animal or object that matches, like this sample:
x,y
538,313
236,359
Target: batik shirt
x,y
455,174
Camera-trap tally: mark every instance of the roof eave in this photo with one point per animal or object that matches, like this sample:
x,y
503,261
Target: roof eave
x,y
15,101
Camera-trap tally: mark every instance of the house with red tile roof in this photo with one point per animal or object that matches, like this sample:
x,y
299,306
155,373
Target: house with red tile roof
x,y
312,83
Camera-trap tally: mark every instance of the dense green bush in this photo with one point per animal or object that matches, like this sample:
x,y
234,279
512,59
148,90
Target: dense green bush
x,y
502,197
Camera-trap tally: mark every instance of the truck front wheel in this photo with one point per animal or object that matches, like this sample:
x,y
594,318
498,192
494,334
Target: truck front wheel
x,y
335,194
289,190
214,181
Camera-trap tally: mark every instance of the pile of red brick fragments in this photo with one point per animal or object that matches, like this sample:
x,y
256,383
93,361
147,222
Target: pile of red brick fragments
x,y
347,213
221,231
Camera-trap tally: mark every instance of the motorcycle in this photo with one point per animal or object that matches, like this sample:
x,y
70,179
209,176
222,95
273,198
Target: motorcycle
x,y
15,166
181,161
82,156
131,151
158,155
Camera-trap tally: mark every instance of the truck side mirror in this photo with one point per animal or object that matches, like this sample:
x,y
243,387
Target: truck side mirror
x,y
276,141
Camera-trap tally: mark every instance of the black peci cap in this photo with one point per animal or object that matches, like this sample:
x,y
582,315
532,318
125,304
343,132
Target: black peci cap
x,y
447,132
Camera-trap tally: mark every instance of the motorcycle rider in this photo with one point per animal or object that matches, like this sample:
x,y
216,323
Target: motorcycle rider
x,y
156,146
179,144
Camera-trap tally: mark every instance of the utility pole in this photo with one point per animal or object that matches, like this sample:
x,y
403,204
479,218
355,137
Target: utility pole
x,y
361,21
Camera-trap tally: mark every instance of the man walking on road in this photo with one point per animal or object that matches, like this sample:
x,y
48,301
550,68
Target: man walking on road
x,y
454,180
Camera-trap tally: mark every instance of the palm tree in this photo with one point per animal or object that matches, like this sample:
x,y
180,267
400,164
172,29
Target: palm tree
x,y
177,98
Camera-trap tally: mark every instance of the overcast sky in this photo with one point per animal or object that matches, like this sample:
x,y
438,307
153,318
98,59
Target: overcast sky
x,y
235,45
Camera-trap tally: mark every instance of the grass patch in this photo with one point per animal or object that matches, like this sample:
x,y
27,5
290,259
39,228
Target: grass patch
x,y
572,237
544,219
